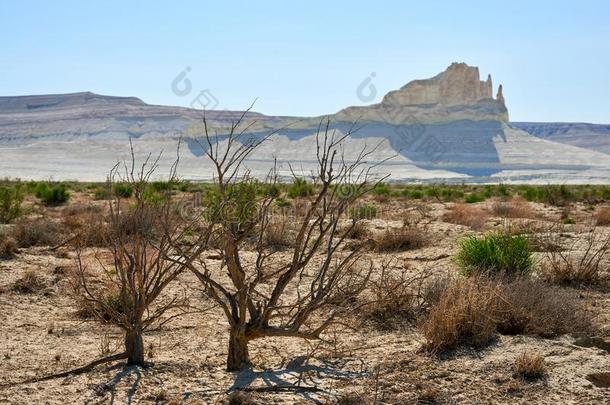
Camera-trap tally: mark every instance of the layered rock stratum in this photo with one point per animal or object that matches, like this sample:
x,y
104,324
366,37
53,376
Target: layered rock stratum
x,y
446,128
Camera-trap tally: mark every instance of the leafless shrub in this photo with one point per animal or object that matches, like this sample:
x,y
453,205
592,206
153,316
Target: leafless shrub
x,y
582,262
293,295
29,283
603,216
399,299
397,240
468,215
36,232
530,365
140,240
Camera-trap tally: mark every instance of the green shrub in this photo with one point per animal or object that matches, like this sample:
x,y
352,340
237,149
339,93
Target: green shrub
x,y
495,253
475,198
123,190
414,194
363,211
102,193
52,194
282,203
11,199
269,190
161,186
240,207
381,189
300,188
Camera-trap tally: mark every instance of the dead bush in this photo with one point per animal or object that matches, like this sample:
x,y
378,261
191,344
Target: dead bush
x,y
357,230
532,307
29,283
465,314
580,263
530,366
36,232
397,240
468,215
278,236
470,311
516,207
603,216
8,247
87,224
399,299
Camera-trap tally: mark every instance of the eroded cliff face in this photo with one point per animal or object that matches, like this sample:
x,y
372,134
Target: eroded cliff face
x,y
458,93
460,84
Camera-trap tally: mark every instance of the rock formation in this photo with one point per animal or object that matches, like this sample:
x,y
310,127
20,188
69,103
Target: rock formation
x,y
458,93
460,84
500,96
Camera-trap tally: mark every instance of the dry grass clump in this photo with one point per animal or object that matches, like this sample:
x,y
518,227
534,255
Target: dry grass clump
x,y
516,207
532,307
471,311
8,247
278,236
530,366
36,232
397,240
357,230
399,299
87,223
465,314
603,216
108,309
468,215
31,282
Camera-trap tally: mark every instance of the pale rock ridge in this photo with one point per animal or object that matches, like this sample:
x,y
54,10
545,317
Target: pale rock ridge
x,y
456,94
460,84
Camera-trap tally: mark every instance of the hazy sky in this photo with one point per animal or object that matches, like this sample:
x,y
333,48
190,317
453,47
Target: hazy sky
x,y
553,57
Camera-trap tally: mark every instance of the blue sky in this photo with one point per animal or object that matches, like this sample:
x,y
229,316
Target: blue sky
x,y
553,57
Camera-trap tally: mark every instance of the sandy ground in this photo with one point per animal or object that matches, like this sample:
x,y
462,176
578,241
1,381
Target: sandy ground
x,y
40,335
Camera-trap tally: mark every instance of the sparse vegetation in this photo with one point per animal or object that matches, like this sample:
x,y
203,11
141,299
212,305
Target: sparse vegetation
x,y
31,282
